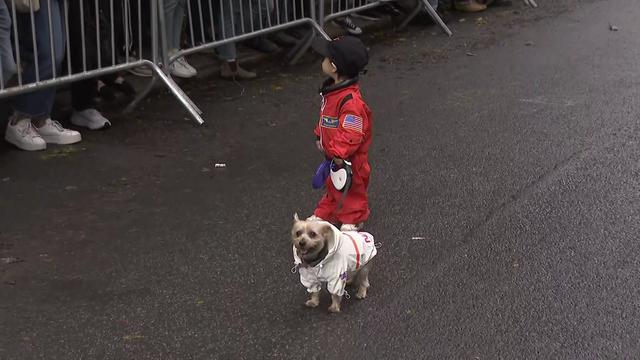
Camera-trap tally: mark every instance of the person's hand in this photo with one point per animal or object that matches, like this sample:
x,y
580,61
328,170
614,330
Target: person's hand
x,y
319,146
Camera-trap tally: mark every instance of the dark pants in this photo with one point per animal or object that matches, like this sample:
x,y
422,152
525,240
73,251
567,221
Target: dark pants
x,y
83,93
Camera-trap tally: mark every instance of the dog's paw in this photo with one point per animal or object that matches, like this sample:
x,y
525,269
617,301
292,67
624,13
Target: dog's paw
x,y
362,293
312,303
334,308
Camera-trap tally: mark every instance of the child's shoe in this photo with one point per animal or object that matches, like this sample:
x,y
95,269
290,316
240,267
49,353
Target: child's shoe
x,y
352,227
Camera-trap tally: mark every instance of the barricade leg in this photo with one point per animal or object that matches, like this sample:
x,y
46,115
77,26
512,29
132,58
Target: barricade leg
x,y
425,5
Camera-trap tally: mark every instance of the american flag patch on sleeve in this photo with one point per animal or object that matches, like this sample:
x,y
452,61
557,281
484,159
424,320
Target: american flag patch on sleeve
x,y
352,122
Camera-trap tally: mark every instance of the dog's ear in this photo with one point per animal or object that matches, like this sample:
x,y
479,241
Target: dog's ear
x,y
295,217
327,234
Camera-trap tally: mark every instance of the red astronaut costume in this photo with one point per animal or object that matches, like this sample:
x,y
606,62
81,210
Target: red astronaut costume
x,y
344,131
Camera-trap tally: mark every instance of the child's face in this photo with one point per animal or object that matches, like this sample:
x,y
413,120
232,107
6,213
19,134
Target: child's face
x,y
328,68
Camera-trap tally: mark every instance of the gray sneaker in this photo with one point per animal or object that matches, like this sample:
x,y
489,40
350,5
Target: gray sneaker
x,y
91,119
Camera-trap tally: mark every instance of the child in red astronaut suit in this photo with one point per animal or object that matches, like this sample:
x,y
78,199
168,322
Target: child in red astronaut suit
x,y
344,131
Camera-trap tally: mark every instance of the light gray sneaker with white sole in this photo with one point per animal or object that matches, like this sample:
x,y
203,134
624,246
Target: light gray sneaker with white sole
x,y
91,119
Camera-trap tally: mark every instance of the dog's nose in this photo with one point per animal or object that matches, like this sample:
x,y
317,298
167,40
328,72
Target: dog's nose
x,y
302,243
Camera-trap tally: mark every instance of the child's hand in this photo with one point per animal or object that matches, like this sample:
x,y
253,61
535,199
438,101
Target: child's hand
x,y
319,146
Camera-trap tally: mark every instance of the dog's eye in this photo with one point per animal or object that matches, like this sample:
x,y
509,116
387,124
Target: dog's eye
x,y
312,234
298,233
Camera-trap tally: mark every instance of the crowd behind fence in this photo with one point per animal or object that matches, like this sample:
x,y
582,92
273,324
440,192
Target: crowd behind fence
x,y
47,43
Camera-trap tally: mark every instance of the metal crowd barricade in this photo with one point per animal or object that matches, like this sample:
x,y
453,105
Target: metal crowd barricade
x,y
211,24
215,23
339,8
108,55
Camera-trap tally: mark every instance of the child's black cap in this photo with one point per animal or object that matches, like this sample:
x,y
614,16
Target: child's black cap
x,y
348,54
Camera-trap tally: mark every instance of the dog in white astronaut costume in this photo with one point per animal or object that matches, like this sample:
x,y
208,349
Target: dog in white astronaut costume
x,y
324,254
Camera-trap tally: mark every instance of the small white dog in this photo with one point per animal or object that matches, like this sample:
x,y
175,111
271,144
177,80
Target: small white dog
x,y
324,254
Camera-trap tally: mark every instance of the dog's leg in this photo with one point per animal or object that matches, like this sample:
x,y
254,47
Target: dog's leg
x,y
335,303
314,300
362,281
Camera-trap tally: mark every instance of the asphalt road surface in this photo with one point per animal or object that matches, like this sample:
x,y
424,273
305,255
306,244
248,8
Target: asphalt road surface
x,y
505,190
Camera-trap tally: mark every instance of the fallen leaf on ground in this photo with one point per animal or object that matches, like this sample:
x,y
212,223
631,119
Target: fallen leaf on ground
x,y
10,260
132,337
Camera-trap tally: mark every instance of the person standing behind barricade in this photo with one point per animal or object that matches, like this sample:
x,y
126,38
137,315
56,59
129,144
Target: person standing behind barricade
x,y
174,15
228,25
174,18
84,57
7,63
224,18
31,127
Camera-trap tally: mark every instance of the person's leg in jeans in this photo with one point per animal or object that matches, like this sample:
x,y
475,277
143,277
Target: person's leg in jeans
x,y
279,16
226,19
258,14
35,108
7,63
84,93
174,17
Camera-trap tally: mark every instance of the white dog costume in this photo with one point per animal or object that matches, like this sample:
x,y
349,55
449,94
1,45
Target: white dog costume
x,y
347,253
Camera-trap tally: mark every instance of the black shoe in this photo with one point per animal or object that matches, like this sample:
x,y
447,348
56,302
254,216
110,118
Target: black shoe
x,y
284,40
349,25
263,45
107,93
392,9
125,88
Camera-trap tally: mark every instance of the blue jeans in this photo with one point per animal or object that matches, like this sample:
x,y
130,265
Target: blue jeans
x,y
7,64
38,104
232,22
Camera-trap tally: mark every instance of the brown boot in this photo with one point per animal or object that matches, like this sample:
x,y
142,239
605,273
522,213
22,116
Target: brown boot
x,y
232,70
470,6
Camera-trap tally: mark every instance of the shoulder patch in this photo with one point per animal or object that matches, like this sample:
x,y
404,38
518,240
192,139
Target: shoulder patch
x,y
352,122
329,122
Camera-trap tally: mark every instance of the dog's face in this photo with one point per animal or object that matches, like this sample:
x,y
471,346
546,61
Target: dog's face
x,y
310,238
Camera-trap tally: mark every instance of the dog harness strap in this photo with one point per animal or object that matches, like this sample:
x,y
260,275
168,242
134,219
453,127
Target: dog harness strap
x,y
355,246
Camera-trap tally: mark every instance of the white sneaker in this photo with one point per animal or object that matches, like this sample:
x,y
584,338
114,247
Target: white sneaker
x,y
53,133
24,136
90,118
188,66
179,69
351,227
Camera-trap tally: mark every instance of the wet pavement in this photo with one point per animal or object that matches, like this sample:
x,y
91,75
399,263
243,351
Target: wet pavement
x,y
505,190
